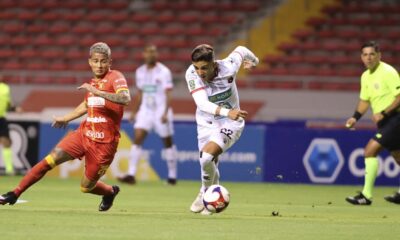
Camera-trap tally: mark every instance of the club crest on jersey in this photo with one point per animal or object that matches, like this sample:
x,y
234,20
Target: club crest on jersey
x,y
96,102
191,85
376,86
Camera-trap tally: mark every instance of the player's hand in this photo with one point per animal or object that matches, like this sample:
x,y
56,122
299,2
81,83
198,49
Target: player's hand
x,y
88,88
235,114
377,117
164,118
19,110
59,122
248,65
351,122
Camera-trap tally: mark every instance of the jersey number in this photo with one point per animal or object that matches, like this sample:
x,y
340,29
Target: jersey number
x,y
227,132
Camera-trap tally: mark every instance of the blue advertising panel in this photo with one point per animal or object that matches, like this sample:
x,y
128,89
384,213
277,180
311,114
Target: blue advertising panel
x,y
302,155
243,162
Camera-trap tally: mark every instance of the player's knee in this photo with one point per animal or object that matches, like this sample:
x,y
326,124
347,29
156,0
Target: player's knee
x,y
85,189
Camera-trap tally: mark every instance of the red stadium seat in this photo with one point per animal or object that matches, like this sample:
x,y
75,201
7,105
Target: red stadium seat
x,y
28,53
43,40
59,27
12,65
66,40
13,27
6,53
27,15
19,41
58,66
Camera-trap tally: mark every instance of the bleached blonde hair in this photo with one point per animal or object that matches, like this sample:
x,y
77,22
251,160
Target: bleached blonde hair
x,y
100,47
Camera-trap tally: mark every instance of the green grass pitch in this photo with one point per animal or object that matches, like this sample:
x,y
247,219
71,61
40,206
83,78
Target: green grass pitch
x,y
57,210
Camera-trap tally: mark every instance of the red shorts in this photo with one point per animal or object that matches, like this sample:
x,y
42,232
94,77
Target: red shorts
x,y
98,156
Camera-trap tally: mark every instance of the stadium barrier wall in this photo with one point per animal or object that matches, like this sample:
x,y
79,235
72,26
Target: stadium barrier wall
x,y
284,151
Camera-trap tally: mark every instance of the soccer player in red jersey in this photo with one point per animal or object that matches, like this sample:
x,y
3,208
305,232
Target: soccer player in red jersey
x,y
97,137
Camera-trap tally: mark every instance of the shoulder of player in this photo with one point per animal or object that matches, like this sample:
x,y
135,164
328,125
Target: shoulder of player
x,y
388,68
191,73
163,67
226,66
115,75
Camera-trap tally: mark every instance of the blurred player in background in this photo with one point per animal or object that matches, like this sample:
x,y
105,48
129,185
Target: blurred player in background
x,y
220,121
5,141
380,89
97,137
152,110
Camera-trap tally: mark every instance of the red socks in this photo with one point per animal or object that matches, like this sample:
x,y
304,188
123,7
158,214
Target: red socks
x,y
102,189
34,175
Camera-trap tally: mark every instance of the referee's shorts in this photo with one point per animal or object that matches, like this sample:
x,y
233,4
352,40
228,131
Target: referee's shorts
x,y
4,132
388,134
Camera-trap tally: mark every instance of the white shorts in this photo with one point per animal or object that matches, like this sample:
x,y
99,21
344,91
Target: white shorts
x,y
225,135
152,120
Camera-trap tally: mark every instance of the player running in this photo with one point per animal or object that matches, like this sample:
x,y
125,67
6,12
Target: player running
x,y
380,89
152,110
97,137
220,121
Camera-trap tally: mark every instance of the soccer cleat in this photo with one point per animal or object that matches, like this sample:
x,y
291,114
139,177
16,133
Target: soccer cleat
x,y
197,205
359,199
129,179
205,212
108,200
395,198
8,198
171,181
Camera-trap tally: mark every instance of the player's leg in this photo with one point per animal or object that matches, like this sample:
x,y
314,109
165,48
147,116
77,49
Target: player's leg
x,y
165,131
5,141
395,198
98,158
170,154
208,153
217,174
56,157
134,156
371,169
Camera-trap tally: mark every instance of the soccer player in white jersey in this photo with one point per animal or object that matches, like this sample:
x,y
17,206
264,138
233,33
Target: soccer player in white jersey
x,y
152,110
220,121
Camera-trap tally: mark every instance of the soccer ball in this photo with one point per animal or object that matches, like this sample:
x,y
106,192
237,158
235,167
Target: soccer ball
x,y
216,198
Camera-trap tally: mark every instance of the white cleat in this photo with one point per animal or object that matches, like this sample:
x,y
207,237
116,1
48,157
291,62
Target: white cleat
x,y
197,205
206,212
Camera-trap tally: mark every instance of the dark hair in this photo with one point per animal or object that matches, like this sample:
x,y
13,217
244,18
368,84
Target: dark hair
x,y
372,44
203,52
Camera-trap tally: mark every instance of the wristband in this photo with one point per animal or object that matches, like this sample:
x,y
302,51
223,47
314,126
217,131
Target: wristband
x,y
224,112
357,115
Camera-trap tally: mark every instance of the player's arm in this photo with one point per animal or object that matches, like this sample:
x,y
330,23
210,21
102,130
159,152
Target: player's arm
x,y
168,99
11,107
136,104
362,108
244,55
62,122
393,82
201,99
121,97
392,108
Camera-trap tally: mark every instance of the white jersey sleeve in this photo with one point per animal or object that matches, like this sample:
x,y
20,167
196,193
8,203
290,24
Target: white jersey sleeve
x,y
138,79
193,80
241,54
167,83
